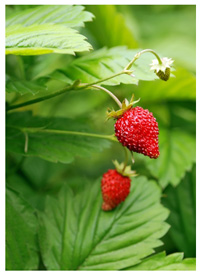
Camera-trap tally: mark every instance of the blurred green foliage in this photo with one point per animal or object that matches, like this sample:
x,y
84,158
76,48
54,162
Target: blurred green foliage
x,y
168,29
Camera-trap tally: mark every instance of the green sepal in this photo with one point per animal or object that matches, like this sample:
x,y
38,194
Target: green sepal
x,y
125,171
126,105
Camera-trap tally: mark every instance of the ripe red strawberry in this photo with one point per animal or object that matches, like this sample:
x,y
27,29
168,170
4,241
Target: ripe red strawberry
x,y
137,130
115,188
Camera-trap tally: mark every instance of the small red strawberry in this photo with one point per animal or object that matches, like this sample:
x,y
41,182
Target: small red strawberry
x,y
115,188
137,130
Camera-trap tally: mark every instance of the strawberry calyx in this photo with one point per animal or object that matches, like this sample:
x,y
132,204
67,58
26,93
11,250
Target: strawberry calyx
x,y
126,105
123,169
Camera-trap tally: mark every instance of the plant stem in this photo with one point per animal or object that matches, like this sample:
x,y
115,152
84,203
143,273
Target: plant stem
x,y
27,130
132,158
77,86
62,91
126,158
59,92
26,142
68,132
139,54
108,78
109,93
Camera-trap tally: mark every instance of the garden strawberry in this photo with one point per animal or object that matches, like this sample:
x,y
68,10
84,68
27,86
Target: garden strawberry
x,y
137,130
115,188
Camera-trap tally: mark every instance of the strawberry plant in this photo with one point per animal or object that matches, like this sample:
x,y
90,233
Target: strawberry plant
x,y
100,139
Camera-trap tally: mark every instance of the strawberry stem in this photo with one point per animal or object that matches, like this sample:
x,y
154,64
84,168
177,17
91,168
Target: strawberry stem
x,y
139,54
126,158
132,158
109,93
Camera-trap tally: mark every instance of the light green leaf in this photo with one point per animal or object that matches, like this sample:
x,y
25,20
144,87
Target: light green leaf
x,y
104,63
68,15
75,234
44,39
21,229
109,27
160,261
51,146
177,155
181,202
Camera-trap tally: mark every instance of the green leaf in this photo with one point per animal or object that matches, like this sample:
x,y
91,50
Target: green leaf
x,y
177,155
24,86
21,229
52,146
109,27
24,74
75,234
160,261
68,15
104,63
181,202
43,65
24,186
44,39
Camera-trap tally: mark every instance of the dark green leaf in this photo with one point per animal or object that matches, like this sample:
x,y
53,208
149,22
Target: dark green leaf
x,y
53,147
75,234
21,229
160,261
182,204
177,155
25,188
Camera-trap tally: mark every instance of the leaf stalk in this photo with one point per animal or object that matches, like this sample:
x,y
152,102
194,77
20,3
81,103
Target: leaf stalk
x,y
27,130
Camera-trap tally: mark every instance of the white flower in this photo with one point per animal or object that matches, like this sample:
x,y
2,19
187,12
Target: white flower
x,y
162,70
166,62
